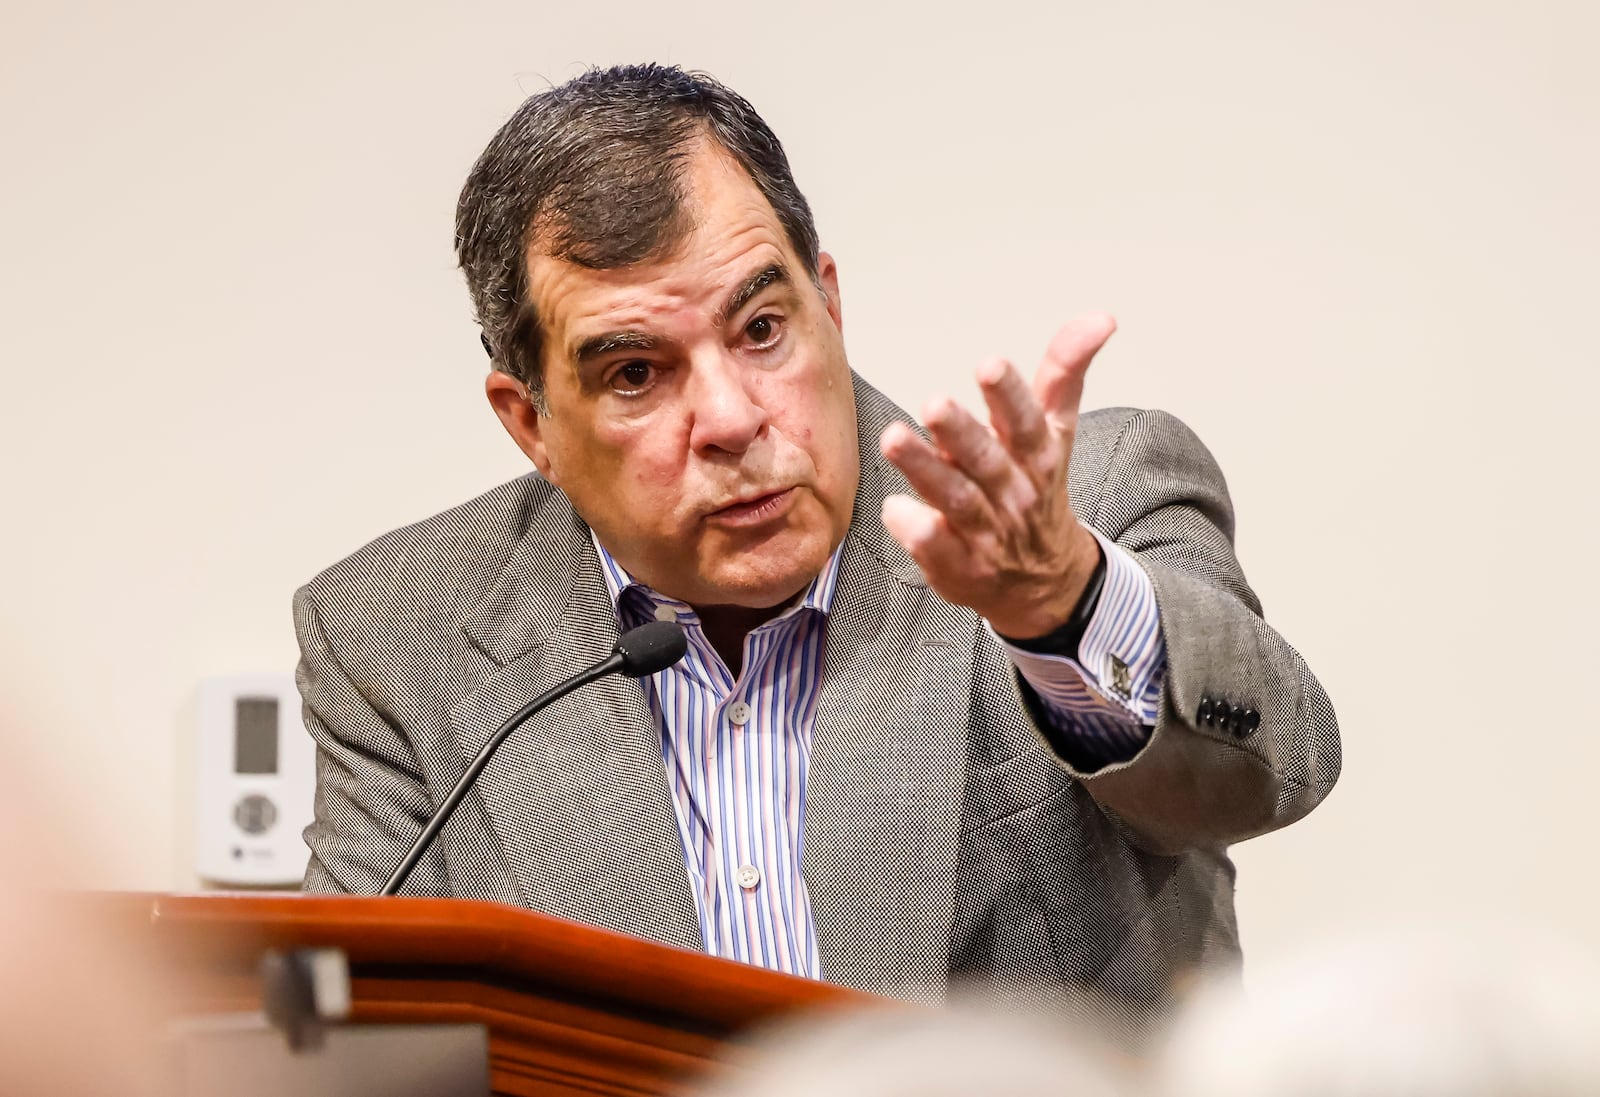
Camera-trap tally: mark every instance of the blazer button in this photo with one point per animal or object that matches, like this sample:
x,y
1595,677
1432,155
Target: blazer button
x,y
1236,721
1224,714
1252,720
1202,715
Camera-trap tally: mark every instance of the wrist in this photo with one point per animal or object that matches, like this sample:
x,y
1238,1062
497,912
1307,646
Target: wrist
x,y
1065,637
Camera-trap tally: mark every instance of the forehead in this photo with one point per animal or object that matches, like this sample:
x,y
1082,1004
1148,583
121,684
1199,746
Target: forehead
x,y
733,233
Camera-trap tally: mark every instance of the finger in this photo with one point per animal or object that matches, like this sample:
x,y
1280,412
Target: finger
x,y
1018,419
942,485
977,452
1059,382
926,536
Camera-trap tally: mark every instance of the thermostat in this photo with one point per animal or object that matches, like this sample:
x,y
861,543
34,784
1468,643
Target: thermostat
x,y
255,779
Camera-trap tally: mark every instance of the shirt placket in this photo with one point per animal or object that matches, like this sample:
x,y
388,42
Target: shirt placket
x,y
745,863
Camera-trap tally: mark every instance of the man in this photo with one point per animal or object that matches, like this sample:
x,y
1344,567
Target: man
x,y
935,724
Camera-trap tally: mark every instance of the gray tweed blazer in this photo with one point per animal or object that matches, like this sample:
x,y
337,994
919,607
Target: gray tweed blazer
x,y
947,841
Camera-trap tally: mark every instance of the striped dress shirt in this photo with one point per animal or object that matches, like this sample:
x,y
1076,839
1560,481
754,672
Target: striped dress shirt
x,y
736,750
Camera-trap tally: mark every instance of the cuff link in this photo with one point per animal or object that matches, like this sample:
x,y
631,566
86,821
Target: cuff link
x,y
1121,677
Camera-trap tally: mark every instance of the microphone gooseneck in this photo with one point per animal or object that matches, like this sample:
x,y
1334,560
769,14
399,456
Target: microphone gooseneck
x,y
640,652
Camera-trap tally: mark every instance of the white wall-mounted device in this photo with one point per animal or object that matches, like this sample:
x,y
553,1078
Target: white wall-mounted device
x,y
255,776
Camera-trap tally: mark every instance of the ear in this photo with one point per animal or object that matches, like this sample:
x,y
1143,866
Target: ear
x,y
509,398
828,276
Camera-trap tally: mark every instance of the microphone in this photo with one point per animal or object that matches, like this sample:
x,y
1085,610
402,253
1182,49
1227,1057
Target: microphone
x,y
650,648
640,652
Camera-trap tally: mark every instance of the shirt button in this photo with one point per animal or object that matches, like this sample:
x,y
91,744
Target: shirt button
x,y
749,877
666,613
739,714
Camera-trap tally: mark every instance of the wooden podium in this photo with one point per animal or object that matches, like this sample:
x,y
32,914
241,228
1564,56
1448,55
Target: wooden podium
x,y
568,1008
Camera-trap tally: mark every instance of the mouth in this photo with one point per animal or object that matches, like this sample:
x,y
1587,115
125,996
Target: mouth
x,y
754,510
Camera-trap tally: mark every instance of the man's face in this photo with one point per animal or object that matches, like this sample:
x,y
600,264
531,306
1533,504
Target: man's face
x,y
701,417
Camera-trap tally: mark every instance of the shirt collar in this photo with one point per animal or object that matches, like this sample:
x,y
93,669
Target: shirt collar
x,y
818,595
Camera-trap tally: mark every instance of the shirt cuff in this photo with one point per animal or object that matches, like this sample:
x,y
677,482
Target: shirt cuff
x,y
1109,697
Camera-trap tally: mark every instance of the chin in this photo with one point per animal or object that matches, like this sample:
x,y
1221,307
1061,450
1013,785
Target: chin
x,y
766,587
757,595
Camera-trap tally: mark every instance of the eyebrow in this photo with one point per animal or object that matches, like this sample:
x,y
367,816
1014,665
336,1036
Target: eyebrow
x,y
598,345
773,274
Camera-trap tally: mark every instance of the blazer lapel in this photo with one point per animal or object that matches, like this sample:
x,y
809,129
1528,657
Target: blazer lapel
x,y
888,761
578,796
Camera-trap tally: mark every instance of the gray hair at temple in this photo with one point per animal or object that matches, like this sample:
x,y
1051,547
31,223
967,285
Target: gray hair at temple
x,y
592,171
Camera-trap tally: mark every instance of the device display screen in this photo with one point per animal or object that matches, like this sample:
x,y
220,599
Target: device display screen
x,y
255,735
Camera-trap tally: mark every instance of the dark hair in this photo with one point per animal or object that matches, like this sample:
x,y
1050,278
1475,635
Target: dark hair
x,y
593,171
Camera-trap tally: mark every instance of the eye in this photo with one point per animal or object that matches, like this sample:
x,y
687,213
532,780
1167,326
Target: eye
x,y
764,330
632,377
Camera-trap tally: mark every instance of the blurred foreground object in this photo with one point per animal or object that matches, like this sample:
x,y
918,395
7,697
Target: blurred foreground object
x,y
915,1053
1498,1010
80,1001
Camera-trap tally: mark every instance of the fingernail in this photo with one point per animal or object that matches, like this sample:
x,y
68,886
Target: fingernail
x,y
992,372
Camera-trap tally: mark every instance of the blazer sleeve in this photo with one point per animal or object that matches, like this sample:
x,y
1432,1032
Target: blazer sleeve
x,y
371,801
1196,784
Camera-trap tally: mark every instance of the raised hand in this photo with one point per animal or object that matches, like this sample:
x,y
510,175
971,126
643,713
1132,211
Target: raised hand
x,y
992,530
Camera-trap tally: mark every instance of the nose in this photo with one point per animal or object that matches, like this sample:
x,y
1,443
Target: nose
x,y
728,413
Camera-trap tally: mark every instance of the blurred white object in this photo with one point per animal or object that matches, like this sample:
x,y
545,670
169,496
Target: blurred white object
x,y
1496,1010
906,1052
255,780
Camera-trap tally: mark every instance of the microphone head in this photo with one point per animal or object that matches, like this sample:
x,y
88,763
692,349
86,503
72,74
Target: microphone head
x,y
651,647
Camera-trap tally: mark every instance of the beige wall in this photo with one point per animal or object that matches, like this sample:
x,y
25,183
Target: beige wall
x,y
1353,245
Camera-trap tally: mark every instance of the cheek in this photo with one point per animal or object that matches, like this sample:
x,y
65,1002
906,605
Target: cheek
x,y
646,457
814,412
656,478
